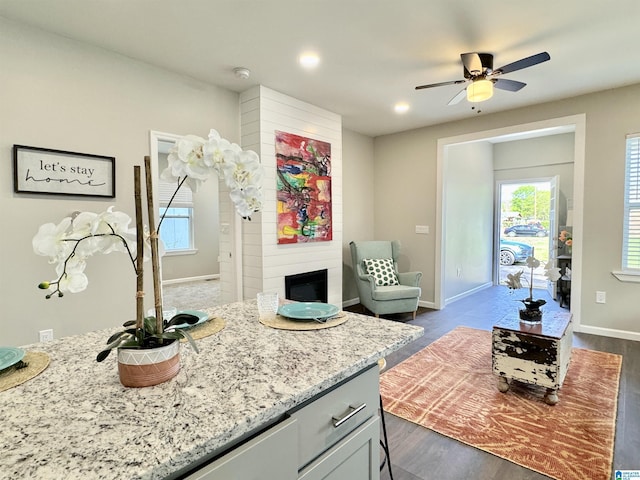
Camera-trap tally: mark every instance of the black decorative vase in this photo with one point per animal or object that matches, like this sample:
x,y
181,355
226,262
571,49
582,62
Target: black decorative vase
x,y
531,313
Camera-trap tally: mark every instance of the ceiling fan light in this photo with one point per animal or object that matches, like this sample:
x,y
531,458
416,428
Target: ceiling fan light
x,y
480,90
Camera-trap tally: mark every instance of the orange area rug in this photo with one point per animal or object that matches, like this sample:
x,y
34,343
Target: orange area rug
x,y
449,387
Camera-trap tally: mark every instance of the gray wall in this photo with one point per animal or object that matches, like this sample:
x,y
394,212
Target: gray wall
x,y
408,161
358,194
468,218
206,235
59,94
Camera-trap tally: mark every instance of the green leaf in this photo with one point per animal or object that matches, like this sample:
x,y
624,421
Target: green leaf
x,y
181,318
102,355
181,333
116,336
192,342
150,325
120,340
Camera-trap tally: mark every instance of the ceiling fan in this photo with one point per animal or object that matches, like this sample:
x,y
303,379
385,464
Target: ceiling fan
x,y
479,71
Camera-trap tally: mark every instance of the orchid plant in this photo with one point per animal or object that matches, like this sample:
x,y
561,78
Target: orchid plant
x,y
194,160
514,282
71,242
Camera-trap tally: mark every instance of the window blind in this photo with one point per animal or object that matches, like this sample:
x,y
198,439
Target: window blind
x,y
183,199
631,236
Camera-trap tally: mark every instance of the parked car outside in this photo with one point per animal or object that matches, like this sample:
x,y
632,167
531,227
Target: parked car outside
x,y
526,231
512,252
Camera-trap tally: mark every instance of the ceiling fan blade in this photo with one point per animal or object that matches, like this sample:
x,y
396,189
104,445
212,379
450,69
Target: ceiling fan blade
x,y
472,64
523,63
461,94
510,85
431,85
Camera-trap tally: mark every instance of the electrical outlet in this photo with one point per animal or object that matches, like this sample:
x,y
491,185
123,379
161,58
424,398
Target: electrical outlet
x,y
46,335
459,272
601,297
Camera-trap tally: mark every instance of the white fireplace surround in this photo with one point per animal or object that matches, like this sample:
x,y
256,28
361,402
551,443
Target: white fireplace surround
x,y
264,263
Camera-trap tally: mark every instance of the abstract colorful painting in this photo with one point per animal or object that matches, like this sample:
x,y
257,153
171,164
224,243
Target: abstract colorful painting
x,y
303,189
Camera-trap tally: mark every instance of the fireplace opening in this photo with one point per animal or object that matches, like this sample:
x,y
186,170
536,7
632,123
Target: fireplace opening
x,y
307,287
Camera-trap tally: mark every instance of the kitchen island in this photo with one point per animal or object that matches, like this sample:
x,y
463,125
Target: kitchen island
x,y
75,420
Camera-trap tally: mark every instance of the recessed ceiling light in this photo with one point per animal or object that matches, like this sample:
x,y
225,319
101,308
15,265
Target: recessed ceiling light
x,y
309,60
401,107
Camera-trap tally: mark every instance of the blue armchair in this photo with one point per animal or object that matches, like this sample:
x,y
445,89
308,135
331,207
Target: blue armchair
x,y
382,289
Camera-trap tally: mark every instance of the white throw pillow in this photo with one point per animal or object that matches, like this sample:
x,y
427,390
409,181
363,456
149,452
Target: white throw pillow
x,y
382,271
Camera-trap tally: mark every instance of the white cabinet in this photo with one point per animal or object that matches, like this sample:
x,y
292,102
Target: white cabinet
x,y
336,436
355,458
329,418
268,455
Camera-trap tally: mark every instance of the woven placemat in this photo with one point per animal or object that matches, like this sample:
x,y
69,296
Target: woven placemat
x,y
284,323
36,363
211,326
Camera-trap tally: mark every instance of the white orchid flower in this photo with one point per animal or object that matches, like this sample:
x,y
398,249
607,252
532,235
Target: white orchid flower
x,y
187,159
105,232
215,151
551,272
72,276
247,201
514,281
533,262
84,224
245,170
49,241
118,224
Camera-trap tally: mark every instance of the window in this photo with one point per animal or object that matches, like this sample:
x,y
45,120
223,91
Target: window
x,y
631,235
176,230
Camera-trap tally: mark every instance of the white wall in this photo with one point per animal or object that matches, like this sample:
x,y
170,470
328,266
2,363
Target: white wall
x,y
56,93
468,218
265,263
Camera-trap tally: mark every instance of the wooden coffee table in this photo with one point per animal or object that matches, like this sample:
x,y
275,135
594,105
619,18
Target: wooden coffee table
x,y
537,354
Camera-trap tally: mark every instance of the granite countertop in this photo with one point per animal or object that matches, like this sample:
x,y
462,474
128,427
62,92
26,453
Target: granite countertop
x,y
75,420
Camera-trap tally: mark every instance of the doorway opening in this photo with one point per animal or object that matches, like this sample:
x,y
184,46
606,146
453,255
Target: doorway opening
x,y
526,223
190,271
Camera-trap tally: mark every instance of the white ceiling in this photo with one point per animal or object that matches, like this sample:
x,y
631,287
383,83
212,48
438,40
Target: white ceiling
x,y
374,52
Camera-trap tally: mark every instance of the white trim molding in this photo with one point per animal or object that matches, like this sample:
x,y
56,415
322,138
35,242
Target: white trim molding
x,y
633,277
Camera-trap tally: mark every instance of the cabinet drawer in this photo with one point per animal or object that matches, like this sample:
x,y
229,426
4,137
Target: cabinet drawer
x,y
269,455
356,457
357,400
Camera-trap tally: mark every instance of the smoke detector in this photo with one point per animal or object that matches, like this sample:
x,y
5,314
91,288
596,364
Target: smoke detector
x,y
242,72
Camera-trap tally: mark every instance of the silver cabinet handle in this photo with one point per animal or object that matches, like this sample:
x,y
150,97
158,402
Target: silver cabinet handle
x,y
337,421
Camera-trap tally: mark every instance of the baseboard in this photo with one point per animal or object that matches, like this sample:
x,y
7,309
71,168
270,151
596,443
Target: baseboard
x,y
355,301
201,278
607,332
467,293
350,303
425,304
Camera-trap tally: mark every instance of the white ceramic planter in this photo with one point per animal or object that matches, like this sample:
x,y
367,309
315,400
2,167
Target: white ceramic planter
x,y
147,367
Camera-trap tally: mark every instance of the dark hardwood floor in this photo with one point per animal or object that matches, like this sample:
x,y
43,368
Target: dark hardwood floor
x,y
418,453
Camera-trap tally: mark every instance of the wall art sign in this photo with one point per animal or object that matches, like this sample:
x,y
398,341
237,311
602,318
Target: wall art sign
x,y
303,189
56,172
